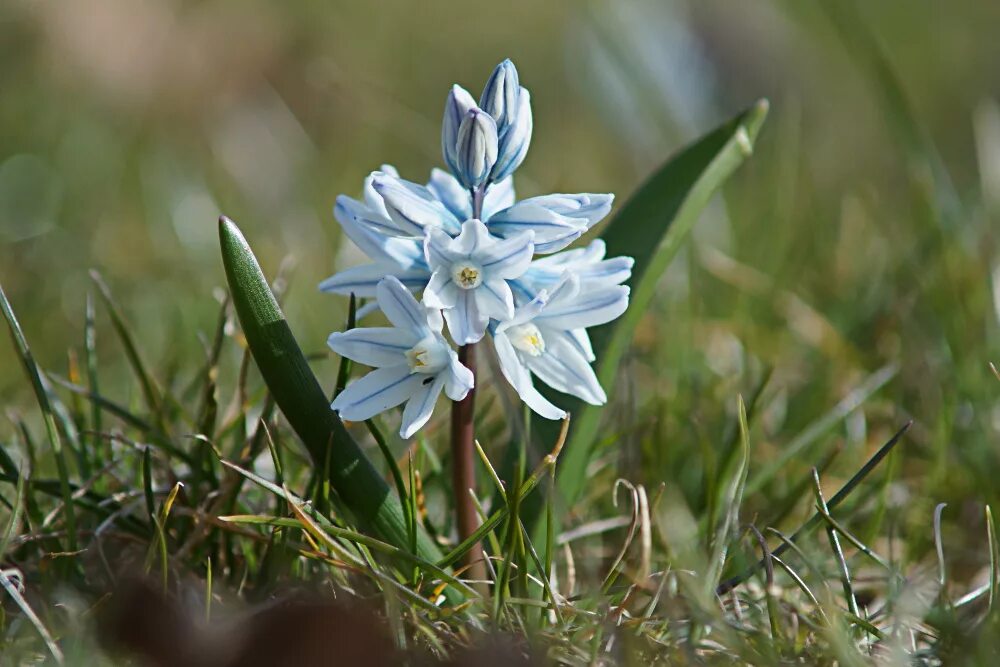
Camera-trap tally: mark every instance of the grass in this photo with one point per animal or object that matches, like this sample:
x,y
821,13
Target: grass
x,y
798,463
197,484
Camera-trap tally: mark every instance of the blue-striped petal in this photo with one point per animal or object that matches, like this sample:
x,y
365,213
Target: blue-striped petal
x,y
494,299
506,258
421,404
376,392
517,374
446,188
374,346
565,369
455,107
363,280
400,307
412,207
587,308
466,323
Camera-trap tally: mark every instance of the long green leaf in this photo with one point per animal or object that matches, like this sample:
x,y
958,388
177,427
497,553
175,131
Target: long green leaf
x,y
651,227
305,406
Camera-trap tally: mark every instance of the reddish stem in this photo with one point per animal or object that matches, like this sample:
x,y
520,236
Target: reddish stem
x,y
463,464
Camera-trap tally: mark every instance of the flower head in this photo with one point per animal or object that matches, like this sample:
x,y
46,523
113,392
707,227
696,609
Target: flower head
x,y
413,362
465,245
469,277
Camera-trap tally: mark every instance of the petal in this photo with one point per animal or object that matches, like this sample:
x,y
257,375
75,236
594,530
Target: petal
x,y
421,404
513,146
612,271
588,308
519,378
438,249
375,234
580,339
475,148
441,291
498,197
400,306
558,243
451,193
375,346
457,105
527,215
412,207
495,300
506,258
472,240
376,392
460,380
586,207
362,280
562,367
465,323
552,231
527,312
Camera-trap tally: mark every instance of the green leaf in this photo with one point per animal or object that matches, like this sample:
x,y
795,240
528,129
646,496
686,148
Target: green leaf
x,y
305,406
651,227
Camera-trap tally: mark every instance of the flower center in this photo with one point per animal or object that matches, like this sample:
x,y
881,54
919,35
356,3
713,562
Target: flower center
x,y
467,275
527,338
428,356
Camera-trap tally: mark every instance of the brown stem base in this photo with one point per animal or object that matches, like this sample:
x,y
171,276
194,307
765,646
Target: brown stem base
x,y
463,466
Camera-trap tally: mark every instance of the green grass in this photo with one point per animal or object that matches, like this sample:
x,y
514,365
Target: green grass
x,y
838,292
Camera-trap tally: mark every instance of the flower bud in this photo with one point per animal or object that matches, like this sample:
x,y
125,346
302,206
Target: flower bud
x,y
476,148
510,105
458,104
500,95
513,143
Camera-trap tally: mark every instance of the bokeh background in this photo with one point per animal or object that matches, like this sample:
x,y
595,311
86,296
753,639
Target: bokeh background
x,y
855,249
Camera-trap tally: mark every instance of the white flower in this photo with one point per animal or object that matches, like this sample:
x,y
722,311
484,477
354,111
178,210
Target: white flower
x,y
469,277
413,362
543,338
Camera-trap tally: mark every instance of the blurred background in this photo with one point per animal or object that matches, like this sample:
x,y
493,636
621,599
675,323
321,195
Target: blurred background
x,y
851,257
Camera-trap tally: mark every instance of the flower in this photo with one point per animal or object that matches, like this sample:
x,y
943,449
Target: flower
x,y
469,277
466,243
413,362
543,339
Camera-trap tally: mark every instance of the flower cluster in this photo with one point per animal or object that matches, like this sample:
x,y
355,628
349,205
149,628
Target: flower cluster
x,y
468,248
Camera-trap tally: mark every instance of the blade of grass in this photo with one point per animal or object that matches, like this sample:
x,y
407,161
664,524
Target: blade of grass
x,y
816,518
14,592
730,501
838,552
147,385
34,375
855,399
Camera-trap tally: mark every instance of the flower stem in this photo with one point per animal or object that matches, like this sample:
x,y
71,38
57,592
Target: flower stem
x,y
463,475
